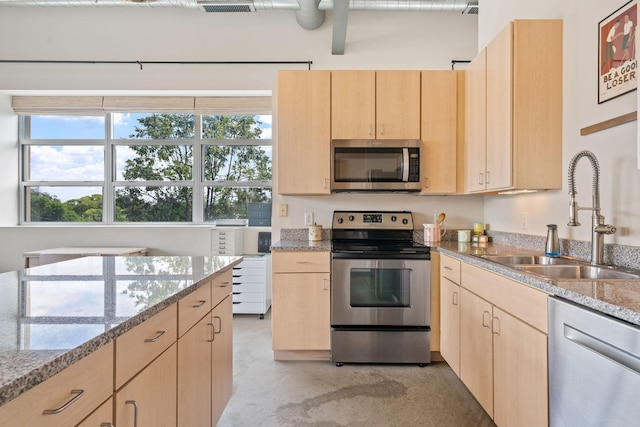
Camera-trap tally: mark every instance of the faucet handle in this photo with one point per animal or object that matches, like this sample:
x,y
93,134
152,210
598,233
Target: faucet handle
x,y
605,229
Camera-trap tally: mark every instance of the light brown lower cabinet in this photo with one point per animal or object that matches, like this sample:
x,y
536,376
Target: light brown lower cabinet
x,y
101,417
502,343
222,358
194,375
149,399
300,311
66,398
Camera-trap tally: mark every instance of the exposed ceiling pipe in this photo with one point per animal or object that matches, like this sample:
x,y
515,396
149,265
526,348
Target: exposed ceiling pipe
x,y
309,16
401,5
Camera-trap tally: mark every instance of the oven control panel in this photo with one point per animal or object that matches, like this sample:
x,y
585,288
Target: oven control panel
x,y
398,220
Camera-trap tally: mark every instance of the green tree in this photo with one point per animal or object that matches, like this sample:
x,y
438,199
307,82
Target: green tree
x,y
226,164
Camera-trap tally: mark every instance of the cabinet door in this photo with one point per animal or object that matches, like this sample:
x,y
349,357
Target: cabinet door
x,y
194,375
353,104
222,357
520,372
150,397
300,311
304,132
475,128
439,132
499,110
450,323
398,104
101,417
476,350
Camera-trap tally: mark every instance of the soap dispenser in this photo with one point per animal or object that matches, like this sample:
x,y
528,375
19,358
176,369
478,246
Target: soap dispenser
x,y
552,247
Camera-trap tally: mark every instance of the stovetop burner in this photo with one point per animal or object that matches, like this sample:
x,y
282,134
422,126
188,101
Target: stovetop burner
x,y
380,234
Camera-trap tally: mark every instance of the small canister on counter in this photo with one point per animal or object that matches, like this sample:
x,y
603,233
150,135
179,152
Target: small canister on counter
x,y
478,228
315,233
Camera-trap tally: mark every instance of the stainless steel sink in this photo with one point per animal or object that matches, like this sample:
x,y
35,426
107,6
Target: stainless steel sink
x,y
572,272
561,268
529,259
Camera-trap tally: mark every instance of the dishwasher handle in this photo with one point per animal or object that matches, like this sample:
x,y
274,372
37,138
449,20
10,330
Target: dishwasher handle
x,y
603,348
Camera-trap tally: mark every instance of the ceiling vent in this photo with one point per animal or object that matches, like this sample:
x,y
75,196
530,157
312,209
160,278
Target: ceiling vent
x,y
471,9
223,6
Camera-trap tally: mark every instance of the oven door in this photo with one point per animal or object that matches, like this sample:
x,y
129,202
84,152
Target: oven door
x,y
380,292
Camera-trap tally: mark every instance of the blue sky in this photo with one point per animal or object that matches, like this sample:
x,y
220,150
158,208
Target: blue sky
x,y
85,162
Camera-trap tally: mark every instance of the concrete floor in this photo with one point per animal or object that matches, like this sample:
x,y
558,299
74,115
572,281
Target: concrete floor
x,y
319,394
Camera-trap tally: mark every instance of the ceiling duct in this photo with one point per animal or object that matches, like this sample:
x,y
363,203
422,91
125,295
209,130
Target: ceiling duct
x,y
471,9
401,5
212,6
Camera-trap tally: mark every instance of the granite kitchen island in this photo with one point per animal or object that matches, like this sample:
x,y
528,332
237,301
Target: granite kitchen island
x,y
57,315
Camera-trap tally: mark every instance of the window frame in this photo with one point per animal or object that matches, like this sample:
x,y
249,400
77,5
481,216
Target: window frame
x,y
110,184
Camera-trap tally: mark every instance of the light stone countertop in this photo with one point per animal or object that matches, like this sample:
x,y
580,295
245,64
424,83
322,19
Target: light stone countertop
x,y
52,316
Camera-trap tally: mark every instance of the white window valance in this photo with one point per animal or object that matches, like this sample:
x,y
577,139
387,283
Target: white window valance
x,y
90,105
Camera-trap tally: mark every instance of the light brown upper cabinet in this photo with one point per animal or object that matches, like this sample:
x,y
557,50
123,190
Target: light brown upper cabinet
x,y
442,113
375,104
304,132
520,146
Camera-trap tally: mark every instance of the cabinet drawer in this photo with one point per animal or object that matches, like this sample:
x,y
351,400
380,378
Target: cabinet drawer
x,y
300,262
522,301
450,268
251,263
193,307
136,348
249,307
221,287
249,277
248,296
92,375
249,287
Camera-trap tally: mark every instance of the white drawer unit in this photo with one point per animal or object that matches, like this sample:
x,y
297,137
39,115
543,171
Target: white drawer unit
x,y
252,285
226,240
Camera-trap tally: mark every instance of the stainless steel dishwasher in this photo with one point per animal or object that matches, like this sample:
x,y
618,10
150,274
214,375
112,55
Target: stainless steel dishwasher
x,y
594,368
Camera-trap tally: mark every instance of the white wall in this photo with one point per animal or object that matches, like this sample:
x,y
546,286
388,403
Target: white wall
x,y
375,40
615,148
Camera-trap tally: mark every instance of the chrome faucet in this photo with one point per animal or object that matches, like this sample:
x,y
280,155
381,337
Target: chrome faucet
x,y
599,228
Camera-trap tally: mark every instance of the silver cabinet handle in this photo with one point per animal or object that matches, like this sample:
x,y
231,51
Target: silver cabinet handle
x,y
303,262
224,284
480,179
381,129
156,338
219,325
324,285
446,267
324,183
455,298
106,424
135,411
487,178
426,183
486,324
370,130
78,395
200,303
213,332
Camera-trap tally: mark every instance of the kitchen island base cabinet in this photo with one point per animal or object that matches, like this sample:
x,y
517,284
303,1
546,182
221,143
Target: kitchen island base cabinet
x,y
85,385
149,399
301,306
222,357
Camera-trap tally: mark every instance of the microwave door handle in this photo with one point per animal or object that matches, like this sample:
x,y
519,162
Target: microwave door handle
x,y
405,165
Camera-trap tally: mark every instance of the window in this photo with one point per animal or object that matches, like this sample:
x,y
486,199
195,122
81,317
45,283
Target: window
x,y
143,167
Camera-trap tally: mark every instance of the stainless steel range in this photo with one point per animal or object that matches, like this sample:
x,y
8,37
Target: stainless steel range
x,y
381,288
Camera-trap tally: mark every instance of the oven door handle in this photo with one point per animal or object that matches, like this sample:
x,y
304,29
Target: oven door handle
x,y
405,165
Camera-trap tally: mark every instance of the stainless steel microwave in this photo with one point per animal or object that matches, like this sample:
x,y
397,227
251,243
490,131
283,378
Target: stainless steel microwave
x,y
375,165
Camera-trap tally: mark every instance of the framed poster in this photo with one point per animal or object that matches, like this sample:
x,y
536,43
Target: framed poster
x,y
617,61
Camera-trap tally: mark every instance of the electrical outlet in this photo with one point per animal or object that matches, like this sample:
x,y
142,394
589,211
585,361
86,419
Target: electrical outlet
x,y
308,218
523,220
283,209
